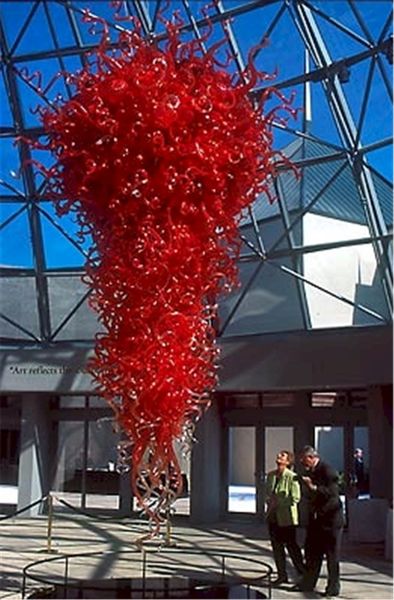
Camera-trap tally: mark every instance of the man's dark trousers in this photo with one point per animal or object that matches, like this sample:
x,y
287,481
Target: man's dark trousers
x,y
322,542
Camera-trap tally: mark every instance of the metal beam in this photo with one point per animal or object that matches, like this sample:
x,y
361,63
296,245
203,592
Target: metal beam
x,y
305,22
29,182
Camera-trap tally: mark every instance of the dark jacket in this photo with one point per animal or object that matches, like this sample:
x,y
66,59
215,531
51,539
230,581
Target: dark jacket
x,y
326,506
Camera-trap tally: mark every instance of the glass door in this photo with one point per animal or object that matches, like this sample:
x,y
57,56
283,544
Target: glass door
x,y
275,440
330,444
85,442
69,465
101,477
251,455
360,462
241,482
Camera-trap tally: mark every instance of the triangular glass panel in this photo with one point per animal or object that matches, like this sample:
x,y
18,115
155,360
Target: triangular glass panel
x,y
37,34
262,209
322,229
14,15
39,74
65,293
15,246
378,119
287,60
288,117
370,295
287,185
358,89
228,303
282,137
274,235
382,161
10,163
289,188
323,124
8,331
73,65
271,303
60,251
6,117
10,191
281,237
270,233
9,211
339,43
19,304
61,24
91,32
351,273
68,224
250,28
374,15
328,189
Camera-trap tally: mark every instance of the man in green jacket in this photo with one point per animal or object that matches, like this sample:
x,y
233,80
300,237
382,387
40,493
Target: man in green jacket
x,y
283,494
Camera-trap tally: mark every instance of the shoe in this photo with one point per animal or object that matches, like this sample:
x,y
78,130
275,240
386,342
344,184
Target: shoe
x,y
328,594
277,582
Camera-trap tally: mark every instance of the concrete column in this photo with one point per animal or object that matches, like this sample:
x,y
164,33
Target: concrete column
x,y
125,495
34,459
380,421
205,497
303,433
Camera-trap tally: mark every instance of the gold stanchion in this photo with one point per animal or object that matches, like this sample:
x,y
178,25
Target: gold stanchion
x,y
167,538
49,549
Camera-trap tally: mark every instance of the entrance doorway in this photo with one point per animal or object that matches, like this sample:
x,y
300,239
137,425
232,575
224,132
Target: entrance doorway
x,y
252,450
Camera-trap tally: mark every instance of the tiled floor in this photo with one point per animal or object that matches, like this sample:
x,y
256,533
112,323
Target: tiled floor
x,y
365,572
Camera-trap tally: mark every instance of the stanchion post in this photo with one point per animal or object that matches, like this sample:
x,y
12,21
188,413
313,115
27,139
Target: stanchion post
x,y
49,524
223,568
143,571
168,531
167,538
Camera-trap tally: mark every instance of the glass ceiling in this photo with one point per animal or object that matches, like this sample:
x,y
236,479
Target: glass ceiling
x,y
318,257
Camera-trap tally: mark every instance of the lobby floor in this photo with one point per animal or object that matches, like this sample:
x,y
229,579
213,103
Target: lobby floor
x,y
365,572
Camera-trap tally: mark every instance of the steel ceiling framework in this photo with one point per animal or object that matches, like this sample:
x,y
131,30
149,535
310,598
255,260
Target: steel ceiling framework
x,y
375,52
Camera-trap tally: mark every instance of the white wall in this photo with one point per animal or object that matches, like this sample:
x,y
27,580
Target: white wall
x,y
348,271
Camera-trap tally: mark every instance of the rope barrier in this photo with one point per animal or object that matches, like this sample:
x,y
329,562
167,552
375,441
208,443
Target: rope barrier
x,y
84,513
51,513
25,508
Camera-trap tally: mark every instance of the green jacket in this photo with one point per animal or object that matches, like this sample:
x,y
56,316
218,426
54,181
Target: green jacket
x,y
287,494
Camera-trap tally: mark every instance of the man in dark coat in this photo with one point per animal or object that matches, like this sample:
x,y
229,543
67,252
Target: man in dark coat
x,y
358,475
325,525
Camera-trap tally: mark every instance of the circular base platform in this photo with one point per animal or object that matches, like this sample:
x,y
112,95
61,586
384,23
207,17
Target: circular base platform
x,y
155,587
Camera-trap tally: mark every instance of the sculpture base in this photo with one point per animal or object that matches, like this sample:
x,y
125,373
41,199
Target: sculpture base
x,y
155,587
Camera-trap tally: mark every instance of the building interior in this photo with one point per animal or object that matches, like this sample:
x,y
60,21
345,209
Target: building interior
x,y
306,338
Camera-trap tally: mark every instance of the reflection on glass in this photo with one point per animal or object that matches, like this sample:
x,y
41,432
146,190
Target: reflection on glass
x,y
361,440
181,505
360,470
102,480
242,468
350,272
72,402
67,484
329,442
277,439
97,402
9,463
